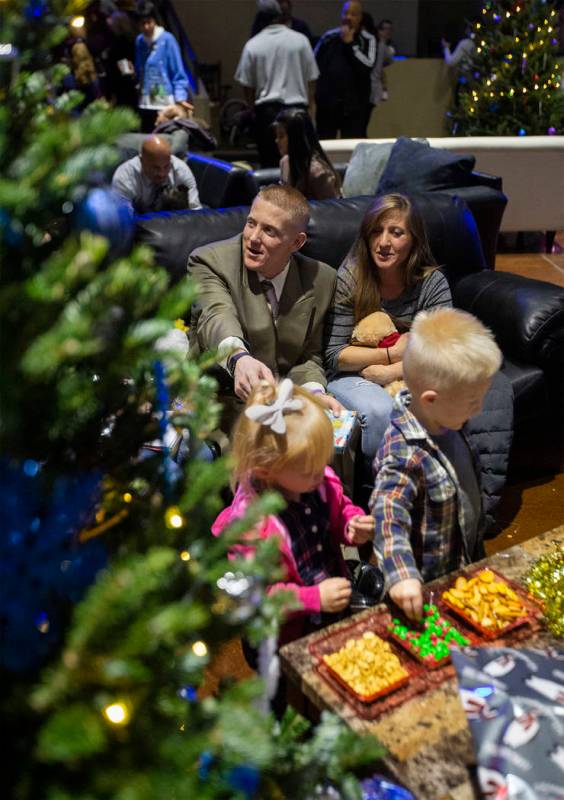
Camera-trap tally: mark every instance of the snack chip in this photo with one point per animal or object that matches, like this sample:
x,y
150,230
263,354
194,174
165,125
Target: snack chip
x,y
367,665
486,600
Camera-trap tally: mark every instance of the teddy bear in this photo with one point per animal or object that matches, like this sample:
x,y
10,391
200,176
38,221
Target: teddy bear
x,y
378,330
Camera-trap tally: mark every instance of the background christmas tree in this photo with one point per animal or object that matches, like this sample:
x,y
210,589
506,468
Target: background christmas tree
x,y
512,86
116,711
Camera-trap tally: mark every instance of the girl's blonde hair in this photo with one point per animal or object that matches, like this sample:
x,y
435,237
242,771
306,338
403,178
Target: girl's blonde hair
x,y
307,443
82,64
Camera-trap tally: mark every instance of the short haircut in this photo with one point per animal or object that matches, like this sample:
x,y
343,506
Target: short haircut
x,y
308,441
289,200
145,9
448,347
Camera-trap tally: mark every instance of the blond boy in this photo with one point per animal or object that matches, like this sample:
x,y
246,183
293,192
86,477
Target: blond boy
x,y
426,500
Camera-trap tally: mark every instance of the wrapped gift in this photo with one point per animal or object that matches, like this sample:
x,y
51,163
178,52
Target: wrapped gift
x,y
343,427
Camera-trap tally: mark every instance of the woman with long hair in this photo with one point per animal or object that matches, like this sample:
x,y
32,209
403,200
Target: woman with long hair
x,y
304,165
389,268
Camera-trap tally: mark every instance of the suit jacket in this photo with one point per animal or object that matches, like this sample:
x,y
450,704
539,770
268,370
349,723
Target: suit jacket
x,y
232,303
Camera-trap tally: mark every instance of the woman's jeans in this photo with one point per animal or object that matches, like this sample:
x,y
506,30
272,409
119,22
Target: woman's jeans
x,y
372,403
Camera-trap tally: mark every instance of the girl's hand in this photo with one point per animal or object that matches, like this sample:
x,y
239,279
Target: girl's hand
x,y
408,595
334,594
361,529
381,374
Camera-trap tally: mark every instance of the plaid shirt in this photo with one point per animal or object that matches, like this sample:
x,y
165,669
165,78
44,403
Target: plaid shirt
x,y
420,519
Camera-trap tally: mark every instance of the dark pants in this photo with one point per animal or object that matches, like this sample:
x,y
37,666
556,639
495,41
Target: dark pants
x,y
350,123
265,114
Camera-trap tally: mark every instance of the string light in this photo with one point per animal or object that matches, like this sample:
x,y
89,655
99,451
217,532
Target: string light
x,y
128,497
199,649
77,22
173,517
185,555
117,713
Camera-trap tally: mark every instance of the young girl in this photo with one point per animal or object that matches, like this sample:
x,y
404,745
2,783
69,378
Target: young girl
x,y
304,164
284,441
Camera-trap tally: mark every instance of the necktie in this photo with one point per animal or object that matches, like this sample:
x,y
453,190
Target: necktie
x,y
271,299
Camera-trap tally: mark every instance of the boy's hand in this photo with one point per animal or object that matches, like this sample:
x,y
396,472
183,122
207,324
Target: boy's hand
x,y
334,594
408,595
361,529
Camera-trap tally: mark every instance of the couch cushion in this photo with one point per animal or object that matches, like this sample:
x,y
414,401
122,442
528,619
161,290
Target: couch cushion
x,y
416,167
367,164
174,234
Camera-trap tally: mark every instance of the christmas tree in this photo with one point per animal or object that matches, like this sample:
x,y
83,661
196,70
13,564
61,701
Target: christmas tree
x,y
512,85
114,594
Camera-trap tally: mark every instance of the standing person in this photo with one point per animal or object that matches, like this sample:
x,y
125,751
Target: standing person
x,y
277,70
384,57
390,268
261,304
261,20
427,500
283,440
345,57
461,56
158,66
460,59
304,163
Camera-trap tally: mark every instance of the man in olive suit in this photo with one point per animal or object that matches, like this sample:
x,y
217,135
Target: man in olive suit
x,y
261,303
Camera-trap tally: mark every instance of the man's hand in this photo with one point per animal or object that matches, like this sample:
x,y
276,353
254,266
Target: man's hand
x,y
381,374
445,44
408,595
330,403
334,594
361,529
347,33
248,372
397,350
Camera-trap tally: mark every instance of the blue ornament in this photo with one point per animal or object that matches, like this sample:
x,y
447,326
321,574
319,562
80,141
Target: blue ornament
x,y
189,693
44,569
244,778
522,132
35,9
204,764
105,212
10,229
379,788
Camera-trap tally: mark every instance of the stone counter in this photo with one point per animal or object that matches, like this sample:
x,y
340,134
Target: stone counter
x,y
427,738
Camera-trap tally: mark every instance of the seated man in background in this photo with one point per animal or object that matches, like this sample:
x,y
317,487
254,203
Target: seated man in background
x,y
261,304
156,180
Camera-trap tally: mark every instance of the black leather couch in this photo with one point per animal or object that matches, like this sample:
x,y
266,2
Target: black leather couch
x,y
527,316
222,184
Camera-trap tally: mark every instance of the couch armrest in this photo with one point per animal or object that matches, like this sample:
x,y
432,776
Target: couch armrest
x,y
485,179
526,316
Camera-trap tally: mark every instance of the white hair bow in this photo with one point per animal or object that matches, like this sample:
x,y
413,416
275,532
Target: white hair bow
x,y
273,414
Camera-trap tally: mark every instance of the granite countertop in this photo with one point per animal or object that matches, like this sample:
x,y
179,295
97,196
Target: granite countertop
x,y
427,737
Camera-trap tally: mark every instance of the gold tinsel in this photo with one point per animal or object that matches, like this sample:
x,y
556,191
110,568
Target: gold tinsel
x,y
545,581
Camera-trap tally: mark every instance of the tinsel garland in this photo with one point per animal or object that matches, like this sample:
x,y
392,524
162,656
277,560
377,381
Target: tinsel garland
x,y
545,581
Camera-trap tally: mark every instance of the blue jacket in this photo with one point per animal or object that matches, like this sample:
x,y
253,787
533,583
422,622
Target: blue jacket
x,y
160,70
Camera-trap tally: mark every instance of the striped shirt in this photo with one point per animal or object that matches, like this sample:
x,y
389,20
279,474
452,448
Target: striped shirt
x,y
432,292
422,524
